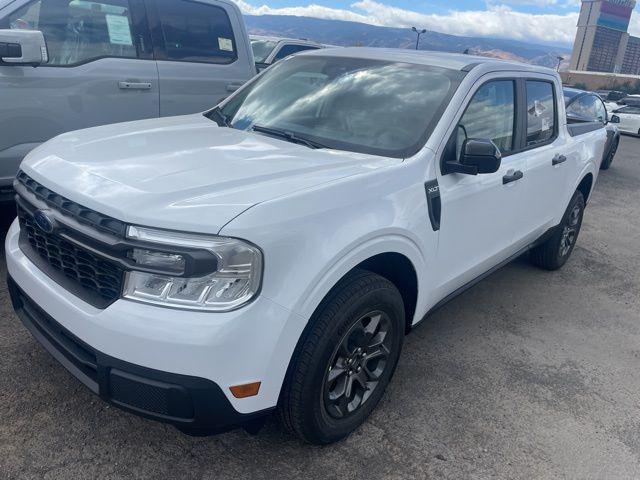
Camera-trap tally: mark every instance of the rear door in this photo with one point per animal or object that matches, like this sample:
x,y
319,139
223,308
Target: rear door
x,y
550,159
100,71
202,52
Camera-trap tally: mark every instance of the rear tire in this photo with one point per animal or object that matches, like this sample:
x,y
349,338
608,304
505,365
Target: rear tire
x,y
606,163
554,253
354,338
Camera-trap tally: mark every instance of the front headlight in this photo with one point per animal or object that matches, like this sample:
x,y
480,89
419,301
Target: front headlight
x,y
235,281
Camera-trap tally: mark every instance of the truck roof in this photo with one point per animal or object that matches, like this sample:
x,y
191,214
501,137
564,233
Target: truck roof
x,y
453,61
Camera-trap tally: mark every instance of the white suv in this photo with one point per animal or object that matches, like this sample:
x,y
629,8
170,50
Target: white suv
x,y
272,253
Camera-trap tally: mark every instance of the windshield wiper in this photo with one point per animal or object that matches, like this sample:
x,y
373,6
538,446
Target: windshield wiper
x,y
220,118
289,136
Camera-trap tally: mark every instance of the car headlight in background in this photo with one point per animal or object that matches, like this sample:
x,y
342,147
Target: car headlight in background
x,y
235,281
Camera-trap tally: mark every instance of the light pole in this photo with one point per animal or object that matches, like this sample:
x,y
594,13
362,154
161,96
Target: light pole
x,y
560,59
418,32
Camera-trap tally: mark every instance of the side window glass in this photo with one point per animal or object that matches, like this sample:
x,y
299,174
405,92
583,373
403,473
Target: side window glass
x,y
541,112
490,115
195,32
78,31
585,108
287,50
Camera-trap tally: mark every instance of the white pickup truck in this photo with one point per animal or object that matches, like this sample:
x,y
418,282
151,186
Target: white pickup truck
x,y
272,253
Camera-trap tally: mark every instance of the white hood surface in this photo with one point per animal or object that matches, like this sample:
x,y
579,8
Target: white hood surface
x,y
183,172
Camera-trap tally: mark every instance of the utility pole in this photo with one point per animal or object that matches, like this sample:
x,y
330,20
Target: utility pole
x,y
418,32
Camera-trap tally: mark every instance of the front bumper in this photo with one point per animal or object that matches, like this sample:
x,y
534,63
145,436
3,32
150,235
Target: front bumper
x,y
194,405
181,354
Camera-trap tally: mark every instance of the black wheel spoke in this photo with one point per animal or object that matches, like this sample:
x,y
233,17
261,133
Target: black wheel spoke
x,y
336,372
349,387
362,378
339,389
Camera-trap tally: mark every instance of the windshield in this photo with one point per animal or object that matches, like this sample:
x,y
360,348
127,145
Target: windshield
x,y
361,105
262,49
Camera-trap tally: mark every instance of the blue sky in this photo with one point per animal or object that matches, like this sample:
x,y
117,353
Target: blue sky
x,y
539,21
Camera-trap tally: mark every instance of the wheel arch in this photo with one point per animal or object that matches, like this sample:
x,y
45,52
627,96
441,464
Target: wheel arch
x,y
586,186
395,266
395,257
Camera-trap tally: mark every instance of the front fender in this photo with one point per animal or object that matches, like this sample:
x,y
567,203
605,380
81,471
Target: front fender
x,y
355,254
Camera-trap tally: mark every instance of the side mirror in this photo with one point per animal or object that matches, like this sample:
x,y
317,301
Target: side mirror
x,y
478,156
22,47
614,119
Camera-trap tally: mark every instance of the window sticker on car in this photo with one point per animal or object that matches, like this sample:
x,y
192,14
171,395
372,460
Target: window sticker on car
x,y
119,30
225,44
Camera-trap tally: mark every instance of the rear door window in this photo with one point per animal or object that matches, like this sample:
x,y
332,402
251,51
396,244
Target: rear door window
x,y
585,108
79,31
192,31
541,113
631,110
287,50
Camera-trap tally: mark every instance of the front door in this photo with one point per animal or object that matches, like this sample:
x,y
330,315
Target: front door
x,y
478,212
99,72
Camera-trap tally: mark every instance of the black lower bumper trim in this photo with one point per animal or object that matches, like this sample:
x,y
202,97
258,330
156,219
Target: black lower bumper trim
x,y
196,406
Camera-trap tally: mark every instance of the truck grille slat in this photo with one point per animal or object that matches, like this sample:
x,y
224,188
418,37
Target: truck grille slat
x,y
90,271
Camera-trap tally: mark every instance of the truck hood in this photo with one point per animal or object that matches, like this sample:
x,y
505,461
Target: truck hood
x,y
183,172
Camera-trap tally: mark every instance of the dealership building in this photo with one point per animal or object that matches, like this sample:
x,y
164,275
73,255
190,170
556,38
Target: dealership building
x,y
603,43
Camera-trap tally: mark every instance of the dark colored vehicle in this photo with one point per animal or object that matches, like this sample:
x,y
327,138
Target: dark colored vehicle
x,y
587,107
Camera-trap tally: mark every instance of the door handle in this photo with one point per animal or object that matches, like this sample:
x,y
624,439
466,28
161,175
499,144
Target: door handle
x,y
558,159
512,176
134,85
232,87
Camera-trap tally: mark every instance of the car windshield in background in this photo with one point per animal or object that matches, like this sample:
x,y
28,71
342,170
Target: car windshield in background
x,y
360,105
262,49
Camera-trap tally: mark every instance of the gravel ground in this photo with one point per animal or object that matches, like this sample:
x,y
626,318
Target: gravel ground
x,y
528,375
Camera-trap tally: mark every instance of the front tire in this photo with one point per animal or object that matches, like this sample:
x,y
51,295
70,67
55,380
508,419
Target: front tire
x,y
554,253
345,360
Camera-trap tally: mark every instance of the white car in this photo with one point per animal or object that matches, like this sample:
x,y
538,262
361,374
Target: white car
x,y
627,119
271,254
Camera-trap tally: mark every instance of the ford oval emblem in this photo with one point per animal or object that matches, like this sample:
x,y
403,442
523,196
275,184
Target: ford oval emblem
x,y
44,221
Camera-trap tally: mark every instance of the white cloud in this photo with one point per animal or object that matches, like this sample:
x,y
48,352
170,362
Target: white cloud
x,y
634,26
496,21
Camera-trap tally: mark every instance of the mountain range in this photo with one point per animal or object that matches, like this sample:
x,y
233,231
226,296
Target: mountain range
x,y
342,33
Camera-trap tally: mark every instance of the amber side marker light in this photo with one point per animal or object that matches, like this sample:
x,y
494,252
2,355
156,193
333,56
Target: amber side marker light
x,y
246,390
